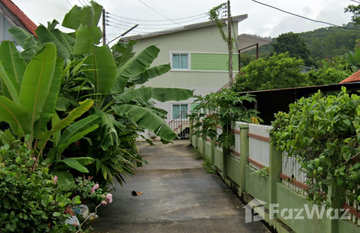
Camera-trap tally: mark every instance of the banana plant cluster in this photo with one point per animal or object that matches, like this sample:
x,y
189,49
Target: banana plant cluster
x,y
77,99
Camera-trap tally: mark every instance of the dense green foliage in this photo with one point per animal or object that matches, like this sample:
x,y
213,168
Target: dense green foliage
x,y
325,76
355,9
30,201
293,44
323,43
278,71
77,99
221,109
323,132
72,102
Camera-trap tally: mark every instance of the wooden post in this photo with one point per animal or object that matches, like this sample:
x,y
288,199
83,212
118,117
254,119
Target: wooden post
x,y
226,151
244,154
275,171
104,26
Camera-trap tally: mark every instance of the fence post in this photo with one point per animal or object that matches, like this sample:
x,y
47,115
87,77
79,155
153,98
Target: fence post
x,y
213,144
337,199
226,151
244,154
275,171
191,125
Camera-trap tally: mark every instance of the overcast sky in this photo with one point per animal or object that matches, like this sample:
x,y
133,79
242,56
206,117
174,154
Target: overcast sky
x,y
262,20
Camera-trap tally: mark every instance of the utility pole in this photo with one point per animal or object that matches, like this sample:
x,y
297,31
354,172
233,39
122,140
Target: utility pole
x,y
104,26
230,45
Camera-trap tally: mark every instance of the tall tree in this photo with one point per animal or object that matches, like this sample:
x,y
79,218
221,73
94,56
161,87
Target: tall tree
x,y
294,45
277,71
355,9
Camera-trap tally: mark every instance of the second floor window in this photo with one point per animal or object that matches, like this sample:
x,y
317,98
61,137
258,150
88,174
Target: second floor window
x,y
180,61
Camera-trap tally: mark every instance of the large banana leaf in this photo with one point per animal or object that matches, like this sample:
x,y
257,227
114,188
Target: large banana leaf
x,y
48,109
101,69
146,118
78,16
97,11
150,73
110,127
14,115
86,38
37,82
134,67
73,115
73,163
13,64
54,36
26,40
123,51
161,94
20,35
86,16
9,85
77,131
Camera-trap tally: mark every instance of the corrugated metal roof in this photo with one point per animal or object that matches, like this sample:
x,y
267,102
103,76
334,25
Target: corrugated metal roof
x,y
352,78
26,21
237,18
246,40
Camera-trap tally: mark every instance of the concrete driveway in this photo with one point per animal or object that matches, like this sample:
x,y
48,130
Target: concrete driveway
x,y
178,196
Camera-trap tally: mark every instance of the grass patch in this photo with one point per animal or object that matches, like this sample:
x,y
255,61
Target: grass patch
x,y
197,154
207,165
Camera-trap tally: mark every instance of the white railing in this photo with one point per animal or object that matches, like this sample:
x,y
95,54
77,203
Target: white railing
x,y
259,146
292,176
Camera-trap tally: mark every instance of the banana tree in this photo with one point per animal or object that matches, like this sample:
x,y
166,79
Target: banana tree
x,y
108,77
29,98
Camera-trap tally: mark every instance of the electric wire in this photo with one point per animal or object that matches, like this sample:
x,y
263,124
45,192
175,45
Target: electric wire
x,y
149,24
300,16
81,3
157,20
158,12
126,28
69,3
355,1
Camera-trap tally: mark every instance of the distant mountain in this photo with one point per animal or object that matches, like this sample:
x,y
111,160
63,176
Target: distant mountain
x,y
324,43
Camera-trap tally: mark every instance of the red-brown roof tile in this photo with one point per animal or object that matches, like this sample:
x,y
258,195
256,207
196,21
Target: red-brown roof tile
x,y
26,21
353,78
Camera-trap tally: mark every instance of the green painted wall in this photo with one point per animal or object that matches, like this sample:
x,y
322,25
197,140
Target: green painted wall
x,y
219,158
211,61
290,199
260,188
194,141
207,152
233,171
256,185
200,145
347,226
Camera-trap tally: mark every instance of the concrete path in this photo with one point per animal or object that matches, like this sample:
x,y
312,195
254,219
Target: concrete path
x,y
178,196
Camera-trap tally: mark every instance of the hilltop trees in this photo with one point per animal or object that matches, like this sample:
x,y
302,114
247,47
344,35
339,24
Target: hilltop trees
x,y
294,45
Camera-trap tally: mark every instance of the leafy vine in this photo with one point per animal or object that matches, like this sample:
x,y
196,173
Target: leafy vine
x,y
221,109
323,131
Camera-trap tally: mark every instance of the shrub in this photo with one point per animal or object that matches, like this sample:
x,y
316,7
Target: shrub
x,y
30,199
323,132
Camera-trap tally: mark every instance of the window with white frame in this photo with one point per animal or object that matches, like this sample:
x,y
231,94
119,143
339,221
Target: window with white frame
x,y
180,109
180,61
